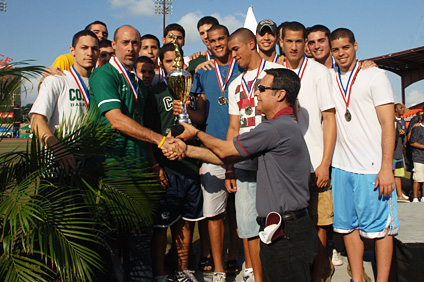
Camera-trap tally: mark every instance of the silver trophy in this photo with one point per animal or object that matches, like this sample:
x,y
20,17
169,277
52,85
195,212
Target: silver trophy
x,y
179,83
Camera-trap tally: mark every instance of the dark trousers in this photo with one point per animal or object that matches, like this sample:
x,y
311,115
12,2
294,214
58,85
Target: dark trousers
x,y
290,258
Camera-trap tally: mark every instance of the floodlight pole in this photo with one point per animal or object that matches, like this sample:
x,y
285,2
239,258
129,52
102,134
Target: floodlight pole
x,y
163,7
2,5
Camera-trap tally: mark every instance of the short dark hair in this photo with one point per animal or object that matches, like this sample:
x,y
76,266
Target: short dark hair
x,y
167,48
150,36
218,26
318,27
288,80
343,33
243,34
207,20
105,43
88,27
83,33
294,26
144,59
174,26
396,106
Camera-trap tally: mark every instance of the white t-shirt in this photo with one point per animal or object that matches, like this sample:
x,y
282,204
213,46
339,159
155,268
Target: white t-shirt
x,y
314,97
358,144
238,102
60,100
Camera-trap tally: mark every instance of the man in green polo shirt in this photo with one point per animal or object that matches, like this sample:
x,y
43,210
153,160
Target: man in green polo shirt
x,y
119,97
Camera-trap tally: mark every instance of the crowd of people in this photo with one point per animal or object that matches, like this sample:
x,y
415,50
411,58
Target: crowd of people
x,y
286,147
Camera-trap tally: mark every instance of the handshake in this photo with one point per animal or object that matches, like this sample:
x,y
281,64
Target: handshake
x,y
174,148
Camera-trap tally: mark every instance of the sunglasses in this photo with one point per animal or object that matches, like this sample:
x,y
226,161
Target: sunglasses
x,y
262,88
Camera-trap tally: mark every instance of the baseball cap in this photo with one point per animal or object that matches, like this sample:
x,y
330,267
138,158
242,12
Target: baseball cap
x,y
267,23
272,231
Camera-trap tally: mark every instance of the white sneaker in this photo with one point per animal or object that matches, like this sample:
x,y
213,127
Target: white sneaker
x,y
405,197
219,277
336,259
415,200
186,276
248,276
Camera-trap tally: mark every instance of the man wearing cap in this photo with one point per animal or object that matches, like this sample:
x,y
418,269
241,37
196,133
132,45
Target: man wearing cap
x,y
266,37
282,177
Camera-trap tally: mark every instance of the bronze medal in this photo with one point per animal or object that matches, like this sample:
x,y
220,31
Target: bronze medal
x,y
248,110
222,100
348,116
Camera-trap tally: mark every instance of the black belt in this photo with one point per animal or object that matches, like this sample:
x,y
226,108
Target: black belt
x,y
287,216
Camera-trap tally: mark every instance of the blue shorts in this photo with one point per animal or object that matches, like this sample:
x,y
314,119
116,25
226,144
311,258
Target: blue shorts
x,y
357,205
246,203
183,198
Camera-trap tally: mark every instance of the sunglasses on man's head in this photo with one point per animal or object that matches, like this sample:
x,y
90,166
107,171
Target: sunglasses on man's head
x,y
263,88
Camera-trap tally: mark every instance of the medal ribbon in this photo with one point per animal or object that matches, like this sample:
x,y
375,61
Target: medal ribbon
x,y
81,85
333,63
117,65
347,91
248,91
302,67
274,60
223,84
208,56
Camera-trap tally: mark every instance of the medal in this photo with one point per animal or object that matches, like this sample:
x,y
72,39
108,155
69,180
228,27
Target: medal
x,y
223,84
348,116
81,85
222,100
248,92
248,110
346,92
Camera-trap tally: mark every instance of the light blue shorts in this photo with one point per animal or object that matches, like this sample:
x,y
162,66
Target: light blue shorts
x,y
357,205
245,200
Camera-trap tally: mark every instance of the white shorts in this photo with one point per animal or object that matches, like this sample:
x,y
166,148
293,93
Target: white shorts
x,y
418,172
213,188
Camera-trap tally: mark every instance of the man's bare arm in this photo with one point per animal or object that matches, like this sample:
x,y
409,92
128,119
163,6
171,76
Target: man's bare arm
x,y
322,172
233,131
65,159
130,127
385,178
223,149
417,145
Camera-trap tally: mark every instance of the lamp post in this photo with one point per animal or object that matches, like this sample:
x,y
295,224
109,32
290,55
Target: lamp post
x,y
2,5
163,7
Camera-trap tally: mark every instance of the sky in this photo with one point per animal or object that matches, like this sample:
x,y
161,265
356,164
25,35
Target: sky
x,y
43,30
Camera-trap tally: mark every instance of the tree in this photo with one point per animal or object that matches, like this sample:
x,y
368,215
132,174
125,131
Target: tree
x,y
54,227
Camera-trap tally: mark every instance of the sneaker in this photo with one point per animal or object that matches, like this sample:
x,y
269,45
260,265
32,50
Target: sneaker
x,y
336,259
405,197
163,278
415,200
219,277
248,276
402,200
186,276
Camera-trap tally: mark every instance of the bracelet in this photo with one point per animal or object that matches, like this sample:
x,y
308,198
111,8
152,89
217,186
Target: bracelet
x,y
161,142
197,133
228,172
155,166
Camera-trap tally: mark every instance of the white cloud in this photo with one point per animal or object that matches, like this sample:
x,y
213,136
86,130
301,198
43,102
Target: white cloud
x,y
133,7
414,97
231,22
189,22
